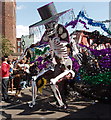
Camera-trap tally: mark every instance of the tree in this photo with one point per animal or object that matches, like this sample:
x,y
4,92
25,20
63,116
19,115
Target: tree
x,y
6,48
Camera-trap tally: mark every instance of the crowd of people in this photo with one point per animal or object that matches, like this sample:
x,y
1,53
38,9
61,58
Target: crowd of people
x,y
15,75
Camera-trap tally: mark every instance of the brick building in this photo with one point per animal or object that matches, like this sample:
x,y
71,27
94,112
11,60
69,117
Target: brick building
x,y
8,21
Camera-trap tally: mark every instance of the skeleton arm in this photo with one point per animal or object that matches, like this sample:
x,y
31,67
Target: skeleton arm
x,y
54,80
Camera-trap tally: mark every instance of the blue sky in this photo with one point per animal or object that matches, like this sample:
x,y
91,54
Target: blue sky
x,y
27,13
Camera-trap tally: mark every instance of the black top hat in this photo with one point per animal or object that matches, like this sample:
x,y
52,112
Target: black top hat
x,y
48,14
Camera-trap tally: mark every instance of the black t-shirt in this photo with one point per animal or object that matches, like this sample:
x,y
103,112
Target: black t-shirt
x,y
59,68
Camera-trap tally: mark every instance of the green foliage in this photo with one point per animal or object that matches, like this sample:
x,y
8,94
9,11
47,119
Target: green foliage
x,y
6,48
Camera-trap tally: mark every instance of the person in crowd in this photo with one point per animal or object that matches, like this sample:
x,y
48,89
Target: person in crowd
x,y
59,67
21,65
69,50
19,76
28,76
11,74
5,67
14,62
68,62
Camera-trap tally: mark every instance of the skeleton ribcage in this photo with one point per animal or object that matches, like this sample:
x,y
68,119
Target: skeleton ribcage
x,y
58,48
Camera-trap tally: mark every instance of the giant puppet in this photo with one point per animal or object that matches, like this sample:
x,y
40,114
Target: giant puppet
x,y
56,36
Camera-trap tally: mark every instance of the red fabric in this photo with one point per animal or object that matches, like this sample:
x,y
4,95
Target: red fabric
x,y
5,69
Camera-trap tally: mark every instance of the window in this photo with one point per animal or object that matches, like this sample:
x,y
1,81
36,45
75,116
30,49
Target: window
x,y
19,50
19,43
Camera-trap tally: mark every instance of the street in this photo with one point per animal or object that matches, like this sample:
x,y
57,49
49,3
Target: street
x,y
45,109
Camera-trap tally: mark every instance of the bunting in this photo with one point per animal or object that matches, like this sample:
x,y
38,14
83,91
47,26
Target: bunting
x,y
89,21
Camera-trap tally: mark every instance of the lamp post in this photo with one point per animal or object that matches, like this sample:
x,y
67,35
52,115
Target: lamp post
x,y
23,43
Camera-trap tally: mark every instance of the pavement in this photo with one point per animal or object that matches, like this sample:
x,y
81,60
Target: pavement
x,y
45,109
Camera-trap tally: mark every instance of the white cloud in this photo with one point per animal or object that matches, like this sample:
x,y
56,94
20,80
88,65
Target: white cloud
x,y
20,7
22,30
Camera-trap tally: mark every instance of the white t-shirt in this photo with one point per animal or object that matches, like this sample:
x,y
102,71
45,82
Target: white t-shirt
x,y
27,68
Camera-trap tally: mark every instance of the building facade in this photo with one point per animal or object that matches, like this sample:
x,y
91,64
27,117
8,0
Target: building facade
x,y
8,21
19,49
27,41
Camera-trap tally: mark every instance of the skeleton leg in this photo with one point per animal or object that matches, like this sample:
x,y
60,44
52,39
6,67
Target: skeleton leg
x,y
34,92
57,94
